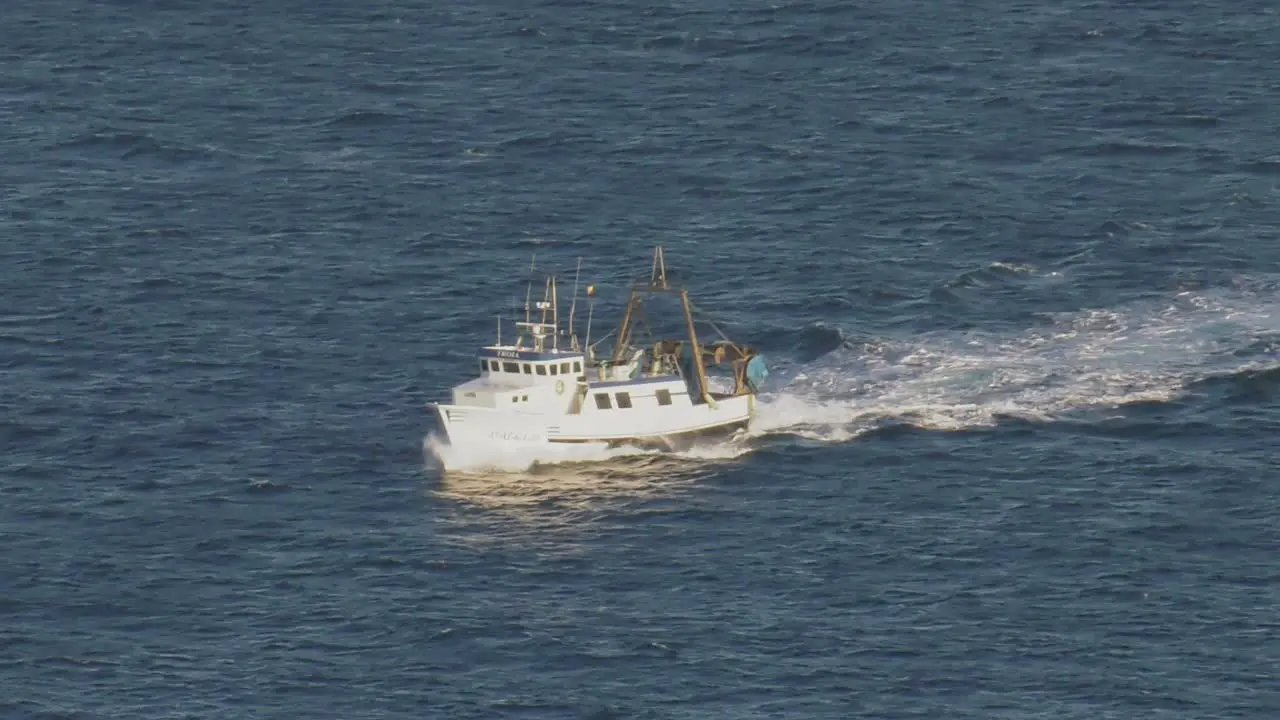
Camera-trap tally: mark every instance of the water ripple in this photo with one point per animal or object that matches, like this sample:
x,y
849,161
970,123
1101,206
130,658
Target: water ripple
x,y
1010,262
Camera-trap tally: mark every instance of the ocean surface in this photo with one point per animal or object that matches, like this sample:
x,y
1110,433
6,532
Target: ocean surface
x,y
1015,267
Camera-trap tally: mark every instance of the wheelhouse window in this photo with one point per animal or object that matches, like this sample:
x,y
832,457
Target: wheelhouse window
x,y
624,400
553,369
577,366
528,369
602,401
542,369
493,365
564,368
664,396
511,367
484,365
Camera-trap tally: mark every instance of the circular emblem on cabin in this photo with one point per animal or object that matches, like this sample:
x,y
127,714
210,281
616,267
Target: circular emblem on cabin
x,y
559,387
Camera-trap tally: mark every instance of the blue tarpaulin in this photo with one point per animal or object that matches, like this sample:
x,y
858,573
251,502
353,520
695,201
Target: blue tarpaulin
x,y
756,373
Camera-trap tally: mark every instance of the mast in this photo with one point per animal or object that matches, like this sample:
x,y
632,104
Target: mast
x,y
658,275
624,332
657,283
697,349
539,330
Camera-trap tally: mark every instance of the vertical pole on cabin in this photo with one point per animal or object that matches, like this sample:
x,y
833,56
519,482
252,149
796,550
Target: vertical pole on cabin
x,y
528,293
573,305
555,317
591,306
546,293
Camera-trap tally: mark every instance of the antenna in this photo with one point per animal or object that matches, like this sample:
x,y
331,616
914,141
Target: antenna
x,y
528,293
555,316
573,339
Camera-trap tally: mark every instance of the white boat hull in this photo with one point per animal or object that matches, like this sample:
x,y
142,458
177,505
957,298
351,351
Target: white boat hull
x,y
478,428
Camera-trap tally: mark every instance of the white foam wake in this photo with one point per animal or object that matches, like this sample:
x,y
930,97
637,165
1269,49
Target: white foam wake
x,y
1093,359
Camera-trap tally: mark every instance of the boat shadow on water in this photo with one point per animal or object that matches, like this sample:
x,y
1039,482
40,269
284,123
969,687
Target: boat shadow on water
x,y
545,492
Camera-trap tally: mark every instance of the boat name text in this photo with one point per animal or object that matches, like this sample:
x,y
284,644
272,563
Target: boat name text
x,y
514,436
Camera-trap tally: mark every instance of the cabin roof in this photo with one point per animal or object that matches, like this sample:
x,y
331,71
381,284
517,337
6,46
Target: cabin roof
x,y
500,352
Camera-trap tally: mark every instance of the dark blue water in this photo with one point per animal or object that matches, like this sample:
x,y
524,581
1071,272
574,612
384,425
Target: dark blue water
x,y
1015,266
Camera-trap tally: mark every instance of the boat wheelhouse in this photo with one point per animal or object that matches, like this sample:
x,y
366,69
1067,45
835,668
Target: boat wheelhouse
x,y
649,393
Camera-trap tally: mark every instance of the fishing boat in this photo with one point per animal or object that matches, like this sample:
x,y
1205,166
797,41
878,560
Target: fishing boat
x,y
548,388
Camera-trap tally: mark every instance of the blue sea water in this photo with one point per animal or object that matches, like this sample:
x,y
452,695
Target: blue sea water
x,y
1015,266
